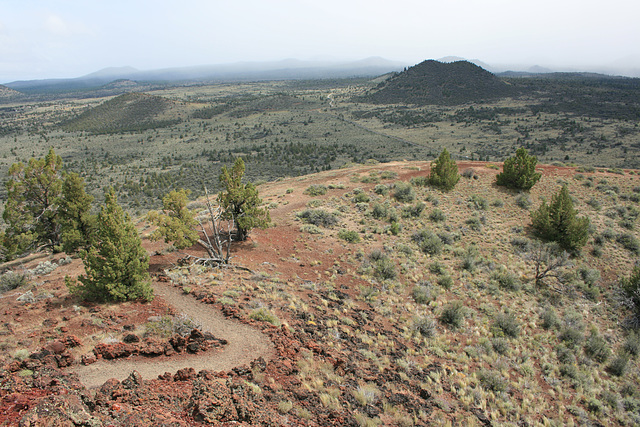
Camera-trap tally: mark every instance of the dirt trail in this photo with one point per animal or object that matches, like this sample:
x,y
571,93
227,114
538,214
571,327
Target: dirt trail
x,y
245,344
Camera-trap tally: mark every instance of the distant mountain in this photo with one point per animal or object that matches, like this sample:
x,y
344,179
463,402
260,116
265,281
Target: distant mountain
x,y
434,82
288,69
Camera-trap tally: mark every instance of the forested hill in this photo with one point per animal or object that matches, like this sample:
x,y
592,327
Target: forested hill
x,y
433,82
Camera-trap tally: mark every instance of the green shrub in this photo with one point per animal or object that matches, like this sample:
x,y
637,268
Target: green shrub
x,y
632,345
383,267
629,242
437,215
381,189
404,192
437,268
478,202
559,222
12,280
264,315
596,347
424,325
349,236
506,280
420,181
519,172
311,229
492,381
453,314
428,242
524,201
445,281
550,318
413,211
500,345
506,324
318,217
444,172
388,175
316,190
379,211
474,223
422,293
618,366
361,197
630,287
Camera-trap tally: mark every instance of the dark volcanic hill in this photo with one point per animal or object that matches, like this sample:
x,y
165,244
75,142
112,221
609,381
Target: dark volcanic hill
x,y
129,112
433,82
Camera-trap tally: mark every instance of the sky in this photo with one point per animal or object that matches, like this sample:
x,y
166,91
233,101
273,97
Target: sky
x,y
70,38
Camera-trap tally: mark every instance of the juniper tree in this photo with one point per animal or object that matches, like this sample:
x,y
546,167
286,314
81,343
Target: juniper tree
x,y
519,172
116,265
77,224
240,202
444,172
558,222
31,212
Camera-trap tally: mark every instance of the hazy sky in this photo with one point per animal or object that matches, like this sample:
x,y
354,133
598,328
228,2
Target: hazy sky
x,y
70,38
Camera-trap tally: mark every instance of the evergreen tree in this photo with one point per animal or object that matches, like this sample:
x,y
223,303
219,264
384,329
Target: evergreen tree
x,y
444,172
559,222
240,202
31,212
77,225
176,224
117,265
519,172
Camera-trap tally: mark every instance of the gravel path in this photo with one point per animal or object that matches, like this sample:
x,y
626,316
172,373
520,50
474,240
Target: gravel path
x,y
245,344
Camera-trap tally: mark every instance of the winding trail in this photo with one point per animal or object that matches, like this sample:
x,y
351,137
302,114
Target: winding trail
x,y
245,344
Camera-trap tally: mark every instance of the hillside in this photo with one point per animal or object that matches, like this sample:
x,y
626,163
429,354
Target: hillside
x,y
8,93
130,112
436,83
387,304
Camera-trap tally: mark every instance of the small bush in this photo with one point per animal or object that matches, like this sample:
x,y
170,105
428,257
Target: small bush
x,y
524,201
506,324
453,314
424,325
383,267
413,211
422,293
316,190
349,236
500,345
469,173
618,366
264,315
632,345
381,189
506,280
629,242
492,380
361,198
596,347
428,241
445,281
12,280
550,318
318,217
404,192
311,229
478,202
437,215
379,211
474,223
497,203
590,276
437,268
